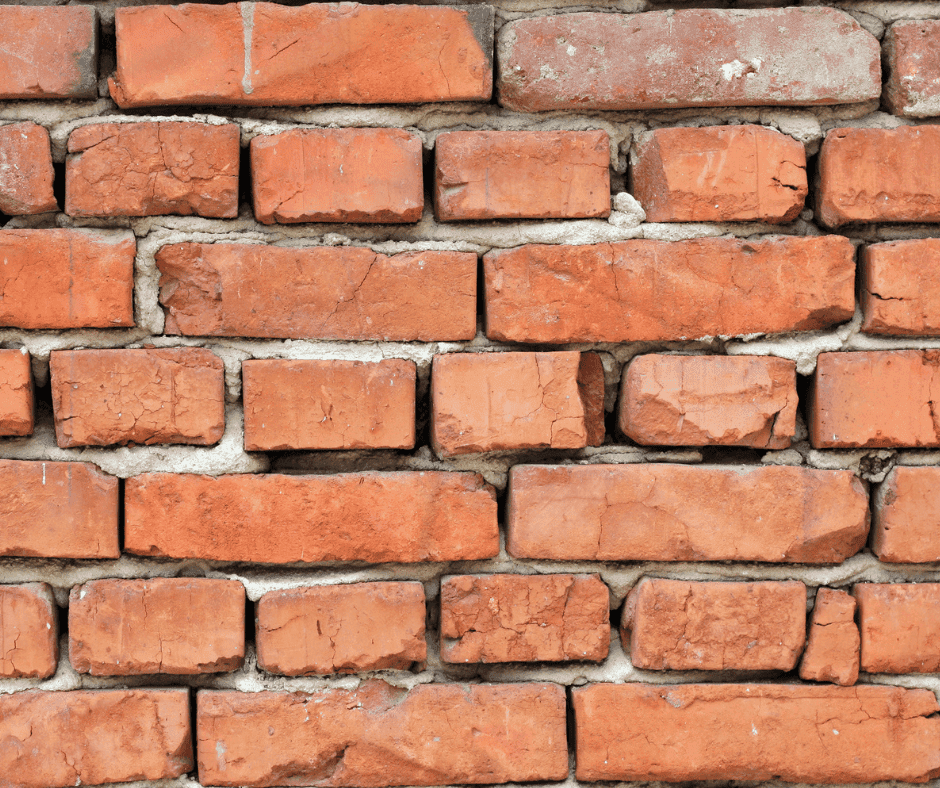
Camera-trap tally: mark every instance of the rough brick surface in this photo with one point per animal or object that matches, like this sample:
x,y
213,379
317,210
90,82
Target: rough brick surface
x,y
906,516
660,290
371,517
900,627
709,400
29,631
105,397
794,733
324,53
328,404
685,513
16,393
513,618
686,58
58,509
912,61
521,175
318,293
900,287
25,169
682,625
876,398
341,628
492,401
151,169
337,175
381,736
48,52
164,625
832,647
66,279
94,737
719,174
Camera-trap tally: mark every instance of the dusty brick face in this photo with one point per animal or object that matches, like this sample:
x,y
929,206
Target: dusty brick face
x,y
29,631
900,287
106,397
781,514
337,175
439,734
906,516
25,169
707,732
165,625
900,627
832,648
666,290
341,628
912,60
709,400
512,618
345,293
153,168
372,517
719,174
16,394
323,53
521,175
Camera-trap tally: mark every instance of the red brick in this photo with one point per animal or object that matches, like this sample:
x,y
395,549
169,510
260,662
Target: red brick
x,y
16,393
900,627
337,175
794,733
29,631
94,737
686,58
660,290
329,404
513,618
165,625
379,735
783,514
195,54
709,400
875,399
879,175
371,517
912,61
900,287
493,401
66,279
153,169
682,625
58,510
321,292
341,629
906,521
25,169
48,52
833,645
105,397
521,175
719,174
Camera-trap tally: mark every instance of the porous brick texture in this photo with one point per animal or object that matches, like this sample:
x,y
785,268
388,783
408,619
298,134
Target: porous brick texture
x,y
29,631
832,646
16,393
25,169
906,517
900,627
912,84
900,288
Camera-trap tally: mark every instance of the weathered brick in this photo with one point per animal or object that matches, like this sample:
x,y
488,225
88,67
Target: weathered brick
x,y
900,627
879,175
378,735
875,399
152,168
372,517
58,510
686,58
493,401
709,400
164,625
25,169
66,279
795,733
321,292
322,53
661,290
900,287
514,618
94,737
639,512
341,628
16,393
912,61
906,519
328,404
833,645
521,175
29,631
719,174
682,625
153,395
48,52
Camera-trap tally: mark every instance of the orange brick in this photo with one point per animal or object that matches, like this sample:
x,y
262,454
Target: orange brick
x,y
900,627
900,290
25,169
341,629
833,645
105,397
906,521
29,631
16,393
912,64
521,175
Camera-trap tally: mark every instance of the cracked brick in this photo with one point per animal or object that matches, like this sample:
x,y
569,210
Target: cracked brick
x,y
26,173
16,394
832,647
29,631
900,288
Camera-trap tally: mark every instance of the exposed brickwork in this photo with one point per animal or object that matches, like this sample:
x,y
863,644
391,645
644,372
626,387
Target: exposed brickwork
x,y
29,631
832,647
906,516
900,627
25,169
16,394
